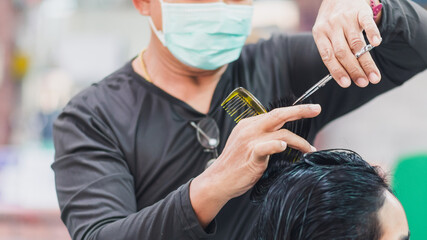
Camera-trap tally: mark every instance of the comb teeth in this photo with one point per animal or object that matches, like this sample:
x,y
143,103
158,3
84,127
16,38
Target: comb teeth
x,y
243,104
238,106
230,103
247,113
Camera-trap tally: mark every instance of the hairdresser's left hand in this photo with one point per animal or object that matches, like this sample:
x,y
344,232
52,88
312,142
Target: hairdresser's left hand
x,y
338,36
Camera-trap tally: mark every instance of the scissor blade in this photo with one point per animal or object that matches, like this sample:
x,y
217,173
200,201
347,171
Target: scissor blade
x,y
313,89
326,79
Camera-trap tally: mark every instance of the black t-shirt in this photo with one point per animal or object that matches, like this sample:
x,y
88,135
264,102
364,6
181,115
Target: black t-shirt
x,y
125,151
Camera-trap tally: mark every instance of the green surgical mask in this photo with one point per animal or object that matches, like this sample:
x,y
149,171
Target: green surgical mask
x,y
204,35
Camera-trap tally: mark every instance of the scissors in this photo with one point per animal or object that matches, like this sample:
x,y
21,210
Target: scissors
x,y
328,78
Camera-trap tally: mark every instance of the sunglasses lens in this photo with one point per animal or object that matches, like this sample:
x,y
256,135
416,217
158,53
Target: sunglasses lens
x,y
208,135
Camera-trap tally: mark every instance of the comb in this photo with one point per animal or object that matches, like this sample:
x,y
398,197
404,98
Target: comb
x,y
241,104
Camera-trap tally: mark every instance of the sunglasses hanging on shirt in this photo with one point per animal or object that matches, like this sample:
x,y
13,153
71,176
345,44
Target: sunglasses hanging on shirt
x,y
208,136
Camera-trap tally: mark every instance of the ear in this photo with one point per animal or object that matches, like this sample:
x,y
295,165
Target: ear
x,y
143,6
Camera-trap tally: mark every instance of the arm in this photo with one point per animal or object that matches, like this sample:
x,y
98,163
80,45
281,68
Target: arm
x,y
245,158
95,186
96,189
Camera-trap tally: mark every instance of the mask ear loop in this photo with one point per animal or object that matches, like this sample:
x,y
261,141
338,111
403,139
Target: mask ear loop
x,y
160,35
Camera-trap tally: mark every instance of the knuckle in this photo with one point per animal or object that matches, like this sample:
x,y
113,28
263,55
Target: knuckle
x,y
301,109
356,43
307,145
319,27
340,52
284,134
241,126
355,72
367,20
337,72
368,65
303,145
334,19
352,13
275,113
326,55
245,135
316,31
252,145
369,28
366,17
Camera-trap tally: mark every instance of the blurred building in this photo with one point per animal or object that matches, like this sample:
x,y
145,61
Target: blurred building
x,y
7,88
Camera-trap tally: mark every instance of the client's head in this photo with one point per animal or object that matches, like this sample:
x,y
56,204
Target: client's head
x,y
330,194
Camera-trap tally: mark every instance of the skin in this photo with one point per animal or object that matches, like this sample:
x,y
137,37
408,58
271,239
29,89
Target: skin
x,y
393,219
191,85
338,36
252,141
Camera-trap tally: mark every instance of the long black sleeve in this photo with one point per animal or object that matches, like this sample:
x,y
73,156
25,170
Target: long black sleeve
x,y
95,185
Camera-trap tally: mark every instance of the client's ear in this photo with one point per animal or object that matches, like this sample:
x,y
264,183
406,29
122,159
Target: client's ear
x,y
143,6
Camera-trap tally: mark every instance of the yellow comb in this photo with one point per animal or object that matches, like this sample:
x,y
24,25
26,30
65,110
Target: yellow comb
x,y
242,104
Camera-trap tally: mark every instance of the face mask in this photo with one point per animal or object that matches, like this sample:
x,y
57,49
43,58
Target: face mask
x,y
204,35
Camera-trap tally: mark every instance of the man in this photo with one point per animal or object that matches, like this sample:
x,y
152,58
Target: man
x,y
128,164
332,194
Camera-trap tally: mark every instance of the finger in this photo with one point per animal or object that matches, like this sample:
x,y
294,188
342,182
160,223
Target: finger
x,y
276,118
328,58
367,22
292,140
263,149
347,59
357,42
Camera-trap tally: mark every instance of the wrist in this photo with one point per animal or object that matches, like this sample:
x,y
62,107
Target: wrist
x,y
206,198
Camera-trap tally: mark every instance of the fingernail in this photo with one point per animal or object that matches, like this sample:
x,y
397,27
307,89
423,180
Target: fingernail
x,y
313,149
345,81
284,145
377,40
315,107
361,82
373,78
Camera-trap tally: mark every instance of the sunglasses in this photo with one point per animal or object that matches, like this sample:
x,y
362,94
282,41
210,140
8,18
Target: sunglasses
x,y
208,136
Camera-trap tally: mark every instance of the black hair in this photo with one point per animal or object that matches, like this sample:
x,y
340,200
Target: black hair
x,y
332,194
278,161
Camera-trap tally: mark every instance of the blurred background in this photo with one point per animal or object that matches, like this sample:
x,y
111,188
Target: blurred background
x,y
52,49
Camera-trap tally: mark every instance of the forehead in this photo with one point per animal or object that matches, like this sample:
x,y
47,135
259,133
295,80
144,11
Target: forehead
x,y
392,218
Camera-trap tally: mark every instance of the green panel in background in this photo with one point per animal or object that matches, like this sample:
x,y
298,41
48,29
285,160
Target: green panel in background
x,y
410,185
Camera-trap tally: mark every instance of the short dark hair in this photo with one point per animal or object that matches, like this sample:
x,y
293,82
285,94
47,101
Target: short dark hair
x,y
332,194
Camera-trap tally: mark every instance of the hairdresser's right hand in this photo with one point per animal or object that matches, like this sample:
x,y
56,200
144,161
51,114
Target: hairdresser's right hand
x,y
245,158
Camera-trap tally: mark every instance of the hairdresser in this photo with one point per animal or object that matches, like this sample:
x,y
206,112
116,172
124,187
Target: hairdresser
x,y
129,164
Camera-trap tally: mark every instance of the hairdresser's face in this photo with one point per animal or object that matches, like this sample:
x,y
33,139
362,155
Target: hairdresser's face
x,y
393,219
